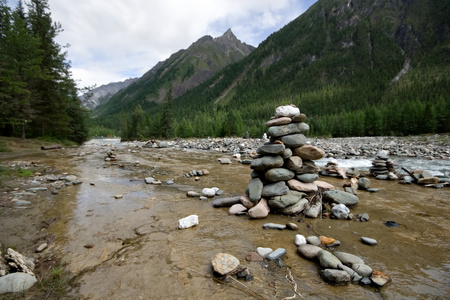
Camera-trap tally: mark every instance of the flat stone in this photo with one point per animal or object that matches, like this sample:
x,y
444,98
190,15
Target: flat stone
x,y
279,121
379,279
264,251
226,202
192,194
324,185
362,269
325,240
21,203
369,241
279,174
267,162
308,178
294,140
276,254
328,260
348,259
302,186
274,189
339,277
271,149
340,197
295,208
274,226
309,152
289,129
237,209
224,263
308,251
291,197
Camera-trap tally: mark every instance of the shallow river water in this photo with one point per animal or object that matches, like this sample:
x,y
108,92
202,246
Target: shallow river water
x,y
131,248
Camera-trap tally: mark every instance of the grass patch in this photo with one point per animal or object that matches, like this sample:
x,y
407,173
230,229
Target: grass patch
x,y
4,147
11,173
56,284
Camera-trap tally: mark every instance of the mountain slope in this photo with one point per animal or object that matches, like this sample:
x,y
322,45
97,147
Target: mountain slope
x,y
103,93
367,67
182,71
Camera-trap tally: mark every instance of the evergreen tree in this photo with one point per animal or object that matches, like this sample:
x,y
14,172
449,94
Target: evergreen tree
x,y
167,124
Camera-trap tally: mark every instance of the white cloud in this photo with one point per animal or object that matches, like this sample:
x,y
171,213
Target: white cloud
x,y
112,40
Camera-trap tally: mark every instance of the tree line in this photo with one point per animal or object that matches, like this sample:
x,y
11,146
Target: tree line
x,y
38,97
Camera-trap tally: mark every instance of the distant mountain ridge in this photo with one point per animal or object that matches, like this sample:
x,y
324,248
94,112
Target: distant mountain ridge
x,y
103,93
182,71
356,68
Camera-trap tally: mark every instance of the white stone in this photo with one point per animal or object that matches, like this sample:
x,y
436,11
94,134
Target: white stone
x,y
340,211
264,251
300,240
207,192
188,221
149,180
286,111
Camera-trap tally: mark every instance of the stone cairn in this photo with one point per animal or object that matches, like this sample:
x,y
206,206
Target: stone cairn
x,y
284,171
383,167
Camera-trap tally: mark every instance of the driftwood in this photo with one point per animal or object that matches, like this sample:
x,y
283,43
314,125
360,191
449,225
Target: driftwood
x,y
410,174
51,147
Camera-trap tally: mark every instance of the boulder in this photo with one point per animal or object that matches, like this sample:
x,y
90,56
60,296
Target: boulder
x,y
16,283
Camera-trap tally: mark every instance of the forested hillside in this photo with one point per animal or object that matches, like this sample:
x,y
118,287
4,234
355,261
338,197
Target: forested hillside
x,y
356,68
38,97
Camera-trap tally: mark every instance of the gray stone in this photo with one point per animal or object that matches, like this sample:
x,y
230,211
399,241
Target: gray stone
x,y
340,211
293,163
328,260
274,189
364,217
254,189
294,140
36,189
308,166
308,251
355,277
308,178
340,197
287,153
16,282
348,259
226,202
364,183
224,263
373,190
274,226
279,174
266,162
224,161
290,198
295,208
271,149
22,203
283,130
276,254
313,210
313,240
362,269
335,276
369,241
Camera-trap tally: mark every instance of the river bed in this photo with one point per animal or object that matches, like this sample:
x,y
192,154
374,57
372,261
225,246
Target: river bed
x,y
131,247
119,235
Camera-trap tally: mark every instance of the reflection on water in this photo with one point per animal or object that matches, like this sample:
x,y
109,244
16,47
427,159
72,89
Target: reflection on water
x,y
138,251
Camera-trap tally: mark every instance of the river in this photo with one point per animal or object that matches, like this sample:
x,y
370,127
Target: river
x,y
119,236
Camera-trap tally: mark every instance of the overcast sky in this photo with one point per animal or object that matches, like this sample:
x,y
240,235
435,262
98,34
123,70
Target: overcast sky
x,y
112,40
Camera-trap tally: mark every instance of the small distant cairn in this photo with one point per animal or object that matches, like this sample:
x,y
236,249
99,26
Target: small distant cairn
x,y
284,172
383,167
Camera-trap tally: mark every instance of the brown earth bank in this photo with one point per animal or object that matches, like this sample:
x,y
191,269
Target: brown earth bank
x,y
25,228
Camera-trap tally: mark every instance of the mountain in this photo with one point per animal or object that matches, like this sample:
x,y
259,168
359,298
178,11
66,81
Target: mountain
x,y
182,71
356,68
103,93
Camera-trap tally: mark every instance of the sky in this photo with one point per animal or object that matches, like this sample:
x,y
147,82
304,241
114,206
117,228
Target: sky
x,y
112,40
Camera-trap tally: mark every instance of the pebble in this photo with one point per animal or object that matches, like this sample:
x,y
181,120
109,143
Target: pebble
x,y
313,240
274,226
308,251
299,240
188,221
292,226
42,247
224,263
369,241
264,251
253,256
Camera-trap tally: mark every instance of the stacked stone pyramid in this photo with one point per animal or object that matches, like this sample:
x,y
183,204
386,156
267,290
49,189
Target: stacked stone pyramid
x,y
284,173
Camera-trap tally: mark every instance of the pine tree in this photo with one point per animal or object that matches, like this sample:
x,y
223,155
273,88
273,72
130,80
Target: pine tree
x,y
167,116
